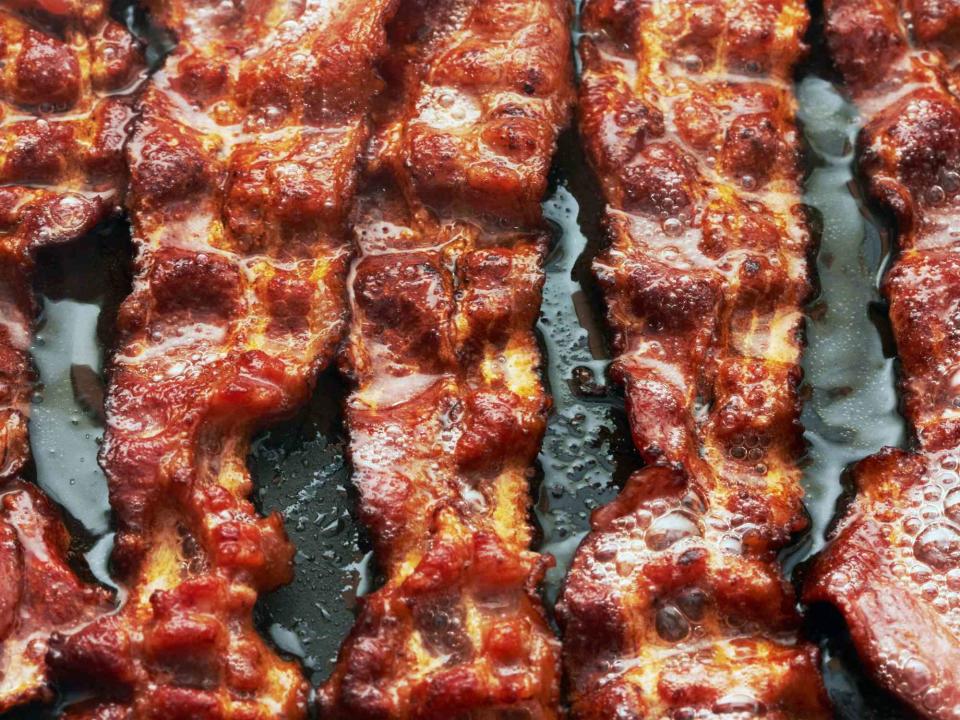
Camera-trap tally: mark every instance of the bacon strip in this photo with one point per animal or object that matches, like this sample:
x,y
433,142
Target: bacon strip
x,y
674,606
893,568
61,172
243,167
449,410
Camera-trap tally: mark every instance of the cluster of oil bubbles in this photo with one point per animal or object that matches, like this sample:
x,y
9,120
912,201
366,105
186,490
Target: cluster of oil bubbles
x,y
750,449
655,527
948,186
916,679
677,619
925,528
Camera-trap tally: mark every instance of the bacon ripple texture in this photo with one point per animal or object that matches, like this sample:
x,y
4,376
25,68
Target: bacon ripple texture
x,y
675,606
63,67
448,410
243,165
893,567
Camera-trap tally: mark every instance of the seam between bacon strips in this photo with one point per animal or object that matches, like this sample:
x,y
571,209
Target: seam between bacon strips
x,y
675,606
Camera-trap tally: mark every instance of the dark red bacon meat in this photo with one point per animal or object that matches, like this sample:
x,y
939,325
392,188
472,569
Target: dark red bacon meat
x,y
893,568
448,408
675,606
63,69
243,165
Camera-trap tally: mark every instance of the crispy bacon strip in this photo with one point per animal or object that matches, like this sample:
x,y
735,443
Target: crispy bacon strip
x,y
61,172
893,568
449,410
674,606
243,167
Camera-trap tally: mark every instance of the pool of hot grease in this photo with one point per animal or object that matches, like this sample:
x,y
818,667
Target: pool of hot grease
x,y
301,468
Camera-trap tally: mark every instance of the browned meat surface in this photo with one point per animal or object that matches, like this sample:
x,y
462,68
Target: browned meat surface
x,y
448,408
243,165
675,606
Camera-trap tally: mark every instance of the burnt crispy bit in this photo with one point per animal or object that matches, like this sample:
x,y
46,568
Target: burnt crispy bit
x,y
202,78
480,137
697,122
865,40
758,41
47,71
752,147
117,58
668,301
98,656
674,606
204,283
658,410
499,289
291,298
172,163
460,572
661,181
280,192
736,222
406,300
758,399
40,153
677,312
104,158
617,131
496,428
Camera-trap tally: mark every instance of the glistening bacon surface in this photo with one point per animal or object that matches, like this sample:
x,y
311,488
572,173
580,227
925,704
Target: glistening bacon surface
x,y
675,607
448,410
243,166
893,568
61,172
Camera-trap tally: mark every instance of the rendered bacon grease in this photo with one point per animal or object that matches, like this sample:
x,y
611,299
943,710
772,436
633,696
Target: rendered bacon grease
x,y
675,606
893,568
63,69
243,164
449,411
